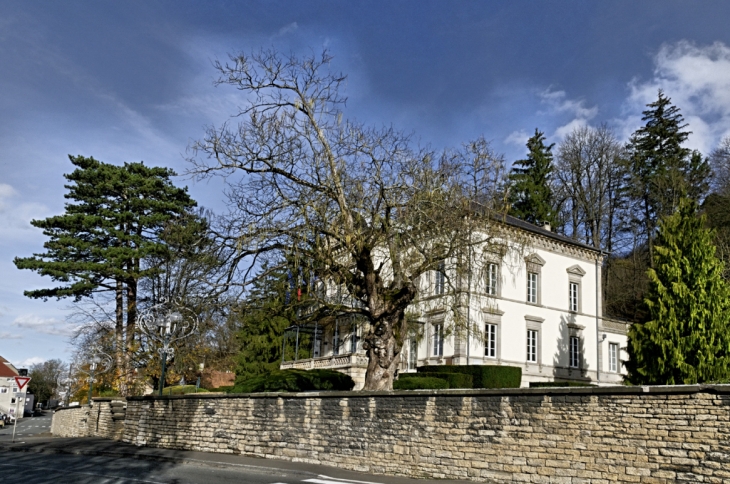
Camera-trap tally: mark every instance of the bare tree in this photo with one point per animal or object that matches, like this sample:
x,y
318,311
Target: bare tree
x,y
720,165
589,175
359,207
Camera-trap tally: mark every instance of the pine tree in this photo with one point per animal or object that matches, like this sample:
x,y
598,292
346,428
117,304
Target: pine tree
x,y
530,195
264,317
111,224
686,338
660,170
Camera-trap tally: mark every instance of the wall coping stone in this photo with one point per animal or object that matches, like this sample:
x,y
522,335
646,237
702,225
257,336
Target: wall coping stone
x,y
75,407
109,399
596,390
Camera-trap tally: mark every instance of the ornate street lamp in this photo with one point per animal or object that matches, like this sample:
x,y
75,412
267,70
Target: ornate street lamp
x,y
99,362
165,323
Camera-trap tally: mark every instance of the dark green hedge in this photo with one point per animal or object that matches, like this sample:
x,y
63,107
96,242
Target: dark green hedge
x,y
296,381
548,384
483,376
419,383
456,380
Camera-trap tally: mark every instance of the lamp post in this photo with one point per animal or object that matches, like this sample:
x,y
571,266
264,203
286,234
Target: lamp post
x,y
166,323
99,362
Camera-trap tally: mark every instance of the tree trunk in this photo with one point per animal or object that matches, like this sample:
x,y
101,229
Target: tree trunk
x,y
119,350
383,350
131,325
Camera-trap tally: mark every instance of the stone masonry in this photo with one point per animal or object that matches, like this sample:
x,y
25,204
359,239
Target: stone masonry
x,y
547,435
98,420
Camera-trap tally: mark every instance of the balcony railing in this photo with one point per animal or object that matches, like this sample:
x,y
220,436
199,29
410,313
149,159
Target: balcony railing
x,y
327,362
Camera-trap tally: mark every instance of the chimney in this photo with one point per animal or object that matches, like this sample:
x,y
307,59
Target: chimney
x,y
546,226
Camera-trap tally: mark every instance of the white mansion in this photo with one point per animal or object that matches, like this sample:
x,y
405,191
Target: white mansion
x,y
537,306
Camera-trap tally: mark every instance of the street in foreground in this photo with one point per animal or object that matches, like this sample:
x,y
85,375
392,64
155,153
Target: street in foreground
x,y
97,461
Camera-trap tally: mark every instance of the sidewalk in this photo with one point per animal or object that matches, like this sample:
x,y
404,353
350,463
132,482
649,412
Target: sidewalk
x,y
112,448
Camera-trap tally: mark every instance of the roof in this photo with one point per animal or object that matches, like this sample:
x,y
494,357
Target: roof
x,y
515,222
7,370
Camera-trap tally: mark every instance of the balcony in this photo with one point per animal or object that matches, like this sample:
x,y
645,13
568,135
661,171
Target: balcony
x,y
353,364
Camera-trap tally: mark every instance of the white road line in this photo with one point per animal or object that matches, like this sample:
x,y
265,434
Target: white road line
x,y
335,480
25,467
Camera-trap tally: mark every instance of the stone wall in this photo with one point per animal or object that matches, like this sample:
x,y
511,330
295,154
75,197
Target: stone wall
x,y
71,422
575,435
105,418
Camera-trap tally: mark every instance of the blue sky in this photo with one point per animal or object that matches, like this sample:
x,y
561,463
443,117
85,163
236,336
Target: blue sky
x,y
130,81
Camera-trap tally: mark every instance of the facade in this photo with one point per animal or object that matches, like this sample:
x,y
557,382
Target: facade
x,y
9,390
534,302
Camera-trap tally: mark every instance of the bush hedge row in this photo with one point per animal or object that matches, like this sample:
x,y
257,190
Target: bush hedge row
x,y
419,383
483,376
296,381
455,380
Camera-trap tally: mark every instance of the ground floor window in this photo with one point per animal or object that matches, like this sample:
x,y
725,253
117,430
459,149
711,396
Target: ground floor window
x,y
613,357
438,339
532,346
574,351
490,340
413,354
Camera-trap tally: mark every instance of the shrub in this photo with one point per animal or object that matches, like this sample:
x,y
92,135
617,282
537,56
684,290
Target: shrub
x,y
483,376
558,384
296,381
420,383
456,380
181,390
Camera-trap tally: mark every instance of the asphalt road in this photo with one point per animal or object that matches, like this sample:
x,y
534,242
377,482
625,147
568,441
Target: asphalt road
x,y
28,427
84,469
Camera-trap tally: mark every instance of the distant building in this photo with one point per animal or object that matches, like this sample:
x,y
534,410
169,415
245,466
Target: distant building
x,y
9,390
535,304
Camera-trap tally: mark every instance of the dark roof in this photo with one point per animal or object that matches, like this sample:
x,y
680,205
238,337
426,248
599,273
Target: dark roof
x,y
515,222
6,369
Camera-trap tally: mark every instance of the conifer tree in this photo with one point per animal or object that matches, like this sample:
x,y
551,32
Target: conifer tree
x,y
686,338
111,224
660,170
530,195
264,317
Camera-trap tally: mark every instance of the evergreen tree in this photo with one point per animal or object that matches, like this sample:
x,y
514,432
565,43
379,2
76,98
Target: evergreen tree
x,y
686,338
111,224
530,195
264,317
660,170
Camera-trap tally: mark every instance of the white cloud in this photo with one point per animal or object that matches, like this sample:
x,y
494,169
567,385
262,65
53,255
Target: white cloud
x,y
287,29
28,362
15,215
518,138
50,326
697,79
559,105
5,336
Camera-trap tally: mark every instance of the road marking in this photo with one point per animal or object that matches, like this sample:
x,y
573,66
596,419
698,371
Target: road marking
x,y
335,480
25,467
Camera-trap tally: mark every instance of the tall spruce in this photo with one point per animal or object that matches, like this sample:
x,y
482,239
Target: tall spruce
x,y
111,224
264,316
531,198
686,338
660,170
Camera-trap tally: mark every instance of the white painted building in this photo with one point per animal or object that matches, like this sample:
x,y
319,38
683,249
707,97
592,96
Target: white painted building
x,y
9,391
535,303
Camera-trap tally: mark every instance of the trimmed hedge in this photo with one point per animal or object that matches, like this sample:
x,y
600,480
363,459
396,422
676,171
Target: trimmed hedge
x,y
456,380
420,383
296,381
483,376
558,384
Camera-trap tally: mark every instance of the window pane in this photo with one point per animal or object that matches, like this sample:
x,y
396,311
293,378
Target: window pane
x,y
532,287
613,357
573,297
490,346
531,345
574,352
492,279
